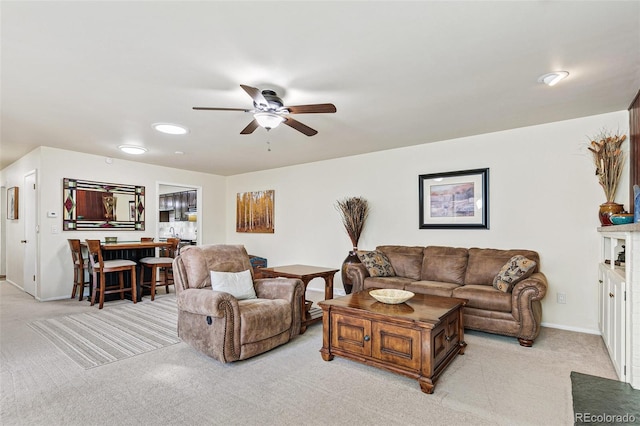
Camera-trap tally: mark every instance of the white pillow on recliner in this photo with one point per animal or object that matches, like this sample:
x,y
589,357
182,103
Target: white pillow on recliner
x,y
238,284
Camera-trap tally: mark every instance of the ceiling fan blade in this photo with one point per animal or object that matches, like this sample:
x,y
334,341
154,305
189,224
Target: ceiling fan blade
x,y
250,127
256,95
299,126
222,109
311,109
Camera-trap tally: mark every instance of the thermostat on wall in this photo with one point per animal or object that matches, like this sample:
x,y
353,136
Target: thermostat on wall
x,y
52,214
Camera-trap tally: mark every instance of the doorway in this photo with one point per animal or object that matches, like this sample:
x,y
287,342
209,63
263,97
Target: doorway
x,y
30,240
179,212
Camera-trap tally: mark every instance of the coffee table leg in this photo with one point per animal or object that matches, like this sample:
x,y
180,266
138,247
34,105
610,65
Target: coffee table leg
x,y
426,385
325,352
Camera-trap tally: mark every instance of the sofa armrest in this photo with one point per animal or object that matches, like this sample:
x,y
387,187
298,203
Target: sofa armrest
x,y
525,302
356,272
290,289
277,288
204,301
533,288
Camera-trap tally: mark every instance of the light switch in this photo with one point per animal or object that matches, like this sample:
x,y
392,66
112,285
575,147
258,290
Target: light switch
x,y
54,229
52,214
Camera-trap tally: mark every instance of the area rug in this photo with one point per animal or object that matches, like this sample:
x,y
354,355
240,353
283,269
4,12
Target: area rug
x,y
114,333
600,401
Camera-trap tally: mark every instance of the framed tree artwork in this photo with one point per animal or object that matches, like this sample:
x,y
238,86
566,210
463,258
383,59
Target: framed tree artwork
x,y
12,203
453,200
254,212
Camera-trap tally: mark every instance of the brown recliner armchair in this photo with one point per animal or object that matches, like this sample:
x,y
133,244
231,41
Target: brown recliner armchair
x,y
221,326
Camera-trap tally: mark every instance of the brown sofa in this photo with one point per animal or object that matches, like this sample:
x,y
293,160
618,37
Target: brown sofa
x,y
221,326
467,274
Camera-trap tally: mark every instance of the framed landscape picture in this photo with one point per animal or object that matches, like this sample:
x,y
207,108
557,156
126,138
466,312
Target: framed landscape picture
x,y
453,200
254,212
12,203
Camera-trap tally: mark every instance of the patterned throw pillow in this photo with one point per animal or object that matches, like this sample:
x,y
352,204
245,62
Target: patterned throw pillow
x,y
377,263
515,270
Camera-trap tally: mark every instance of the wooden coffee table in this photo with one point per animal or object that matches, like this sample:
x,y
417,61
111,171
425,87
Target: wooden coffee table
x,y
418,338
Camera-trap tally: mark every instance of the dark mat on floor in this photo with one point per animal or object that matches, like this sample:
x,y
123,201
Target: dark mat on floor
x,y
600,401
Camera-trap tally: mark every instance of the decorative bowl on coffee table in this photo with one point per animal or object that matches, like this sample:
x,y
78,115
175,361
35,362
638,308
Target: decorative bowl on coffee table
x,y
391,296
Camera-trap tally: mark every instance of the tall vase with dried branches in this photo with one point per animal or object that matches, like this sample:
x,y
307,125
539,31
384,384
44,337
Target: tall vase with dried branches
x,y
608,158
353,212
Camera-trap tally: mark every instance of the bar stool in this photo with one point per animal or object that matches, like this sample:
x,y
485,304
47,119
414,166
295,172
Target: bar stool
x,y
80,265
103,267
165,262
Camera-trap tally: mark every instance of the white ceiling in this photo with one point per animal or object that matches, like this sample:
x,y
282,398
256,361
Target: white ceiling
x,y
89,76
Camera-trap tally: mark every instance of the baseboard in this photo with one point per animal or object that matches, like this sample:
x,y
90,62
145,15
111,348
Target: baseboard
x,y
337,292
569,328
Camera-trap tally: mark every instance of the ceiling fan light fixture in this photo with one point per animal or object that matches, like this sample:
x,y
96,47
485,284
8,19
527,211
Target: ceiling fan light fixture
x,y
132,149
171,129
268,120
553,78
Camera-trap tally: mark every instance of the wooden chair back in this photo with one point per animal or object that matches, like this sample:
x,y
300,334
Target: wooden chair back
x,y
171,251
175,243
79,265
76,251
95,254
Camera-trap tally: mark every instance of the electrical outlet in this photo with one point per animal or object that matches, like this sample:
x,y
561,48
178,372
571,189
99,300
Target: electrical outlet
x,y
54,229
562,298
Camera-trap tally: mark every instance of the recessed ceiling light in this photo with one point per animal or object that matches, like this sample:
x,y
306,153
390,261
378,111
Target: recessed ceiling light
x,y
179,152
553,78
171,129
132,149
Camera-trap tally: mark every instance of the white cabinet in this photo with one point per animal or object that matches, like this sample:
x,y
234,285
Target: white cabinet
x,y
619,299
612,317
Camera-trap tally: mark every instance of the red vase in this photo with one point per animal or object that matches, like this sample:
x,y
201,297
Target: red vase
x,y
606,210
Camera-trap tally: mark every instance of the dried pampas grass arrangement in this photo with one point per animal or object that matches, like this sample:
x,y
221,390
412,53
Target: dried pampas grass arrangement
x,y
609,161
354,212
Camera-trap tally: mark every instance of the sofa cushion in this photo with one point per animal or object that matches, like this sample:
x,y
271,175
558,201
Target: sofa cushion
x,y
515,270
484,264
445,264
386,282
434,288
484,297
406,260
377,263
237,284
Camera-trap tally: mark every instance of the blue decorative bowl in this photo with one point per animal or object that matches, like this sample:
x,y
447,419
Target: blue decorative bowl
x,y
621,218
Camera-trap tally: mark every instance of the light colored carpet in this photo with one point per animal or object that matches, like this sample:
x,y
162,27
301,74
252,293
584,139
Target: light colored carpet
x,y
496,382
107,335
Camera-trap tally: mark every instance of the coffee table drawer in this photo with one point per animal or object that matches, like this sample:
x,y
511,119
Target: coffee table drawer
x,y
397,345
351,334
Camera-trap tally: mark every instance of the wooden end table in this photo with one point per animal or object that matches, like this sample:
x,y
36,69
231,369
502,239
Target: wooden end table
x,y
418,338
305,273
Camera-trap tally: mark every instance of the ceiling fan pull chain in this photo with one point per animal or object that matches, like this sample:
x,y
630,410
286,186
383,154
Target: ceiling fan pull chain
x,y
268,146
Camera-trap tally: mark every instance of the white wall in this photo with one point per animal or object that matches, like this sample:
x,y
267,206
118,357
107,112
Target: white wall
x,y
54,271
543,196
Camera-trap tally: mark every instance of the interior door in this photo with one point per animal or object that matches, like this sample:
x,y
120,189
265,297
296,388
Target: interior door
x,y
30,242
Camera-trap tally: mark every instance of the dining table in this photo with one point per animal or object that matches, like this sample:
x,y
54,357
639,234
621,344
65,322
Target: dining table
x,y
130,250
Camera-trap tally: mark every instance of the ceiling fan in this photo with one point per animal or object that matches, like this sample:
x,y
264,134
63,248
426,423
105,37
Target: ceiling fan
x,y
269,111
